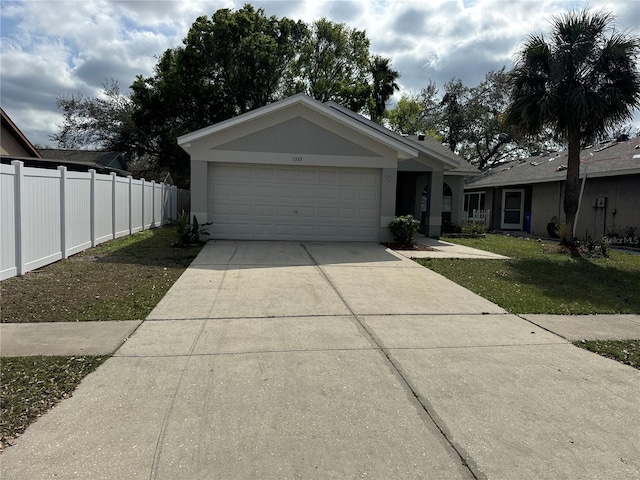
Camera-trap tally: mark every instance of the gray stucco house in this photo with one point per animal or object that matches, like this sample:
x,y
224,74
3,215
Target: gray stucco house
x,y
534,188
299,169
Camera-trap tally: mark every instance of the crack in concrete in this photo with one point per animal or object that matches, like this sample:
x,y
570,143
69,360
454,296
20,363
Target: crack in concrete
x,y
165,421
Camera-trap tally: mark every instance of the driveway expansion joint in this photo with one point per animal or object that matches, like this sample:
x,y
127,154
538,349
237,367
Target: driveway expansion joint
x,y
465,459
250,352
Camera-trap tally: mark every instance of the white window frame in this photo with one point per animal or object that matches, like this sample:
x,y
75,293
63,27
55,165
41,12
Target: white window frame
x,y
512,226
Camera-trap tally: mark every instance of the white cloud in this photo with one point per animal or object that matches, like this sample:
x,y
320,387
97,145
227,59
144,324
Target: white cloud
x,y
57,48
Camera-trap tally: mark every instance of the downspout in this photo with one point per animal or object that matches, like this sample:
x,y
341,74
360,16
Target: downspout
x,y
575,221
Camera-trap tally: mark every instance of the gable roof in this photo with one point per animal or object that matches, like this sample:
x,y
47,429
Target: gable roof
x,y
463,167
428,146
18,135
404,150
601,160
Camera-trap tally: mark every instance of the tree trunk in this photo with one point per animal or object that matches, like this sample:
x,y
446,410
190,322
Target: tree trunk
x,y
572,188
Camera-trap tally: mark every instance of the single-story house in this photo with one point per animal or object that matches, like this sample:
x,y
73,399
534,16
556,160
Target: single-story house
x,y
299,169
527,194
12,141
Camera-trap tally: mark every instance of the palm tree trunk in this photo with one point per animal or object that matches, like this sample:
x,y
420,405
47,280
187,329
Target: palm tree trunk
x,y
572,189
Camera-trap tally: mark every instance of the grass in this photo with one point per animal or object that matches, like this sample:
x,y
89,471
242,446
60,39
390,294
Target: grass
x,y
122,279
32,385
624,351
118,280
539,279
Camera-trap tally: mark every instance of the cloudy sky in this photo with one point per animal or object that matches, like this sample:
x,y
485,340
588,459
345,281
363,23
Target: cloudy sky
x,y
54,48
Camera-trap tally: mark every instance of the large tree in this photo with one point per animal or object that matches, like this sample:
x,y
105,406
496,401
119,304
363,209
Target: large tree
x,y
232,63
383,79
581,79
102,122
229,64
453,115
334,65
405,116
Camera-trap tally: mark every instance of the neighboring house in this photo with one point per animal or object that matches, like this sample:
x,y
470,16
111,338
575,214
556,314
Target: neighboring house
x,y
151,175
527,194
12,140
101,161
299,169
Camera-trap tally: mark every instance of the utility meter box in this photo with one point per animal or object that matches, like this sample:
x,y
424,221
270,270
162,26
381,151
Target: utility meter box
x,y
601,202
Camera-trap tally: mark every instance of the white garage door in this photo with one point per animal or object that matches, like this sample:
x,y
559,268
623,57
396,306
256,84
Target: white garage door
x,y
280,202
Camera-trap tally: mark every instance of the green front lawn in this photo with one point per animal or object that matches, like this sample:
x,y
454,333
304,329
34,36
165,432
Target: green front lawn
x,y
624,351
122,279
32,385
539,279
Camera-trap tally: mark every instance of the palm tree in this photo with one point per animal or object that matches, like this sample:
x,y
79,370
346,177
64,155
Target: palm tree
x,y
384,85
580,81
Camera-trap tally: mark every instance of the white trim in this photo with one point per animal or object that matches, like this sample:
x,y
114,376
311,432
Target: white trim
x,y
402,148
399,138
514,226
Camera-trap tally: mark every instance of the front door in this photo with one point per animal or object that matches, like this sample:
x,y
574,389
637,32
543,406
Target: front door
x,y
512,209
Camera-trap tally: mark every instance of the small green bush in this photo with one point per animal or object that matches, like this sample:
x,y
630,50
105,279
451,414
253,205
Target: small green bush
x,y
404,229
595,247
189,233
474,228
448,227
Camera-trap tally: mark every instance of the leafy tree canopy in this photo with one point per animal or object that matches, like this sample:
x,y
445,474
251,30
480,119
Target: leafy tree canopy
x,y
228,64
468,120
103,122
333,65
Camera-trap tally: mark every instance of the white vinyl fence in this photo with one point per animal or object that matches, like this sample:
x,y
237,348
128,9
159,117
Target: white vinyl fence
x,y
47,215
477,216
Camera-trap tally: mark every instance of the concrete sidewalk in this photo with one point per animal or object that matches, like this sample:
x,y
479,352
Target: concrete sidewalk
x,y
277,360
104,338
64,338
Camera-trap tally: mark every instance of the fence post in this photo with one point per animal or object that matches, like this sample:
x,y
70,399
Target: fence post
x,y
93,206
175,202
20,234
142,202
162,200
63,210
113,205
153,203
130,204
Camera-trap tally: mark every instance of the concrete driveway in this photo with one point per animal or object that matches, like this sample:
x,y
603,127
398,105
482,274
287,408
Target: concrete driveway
x,y
275,360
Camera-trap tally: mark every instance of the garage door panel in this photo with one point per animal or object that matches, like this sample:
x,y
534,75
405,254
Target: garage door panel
x,y
327,193
265,210
368,178
308,177
347,194
293,202
286,191
367,195
306,212
264,174
261,190
369,213
327,212
347,213
307,192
